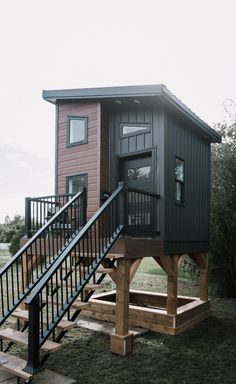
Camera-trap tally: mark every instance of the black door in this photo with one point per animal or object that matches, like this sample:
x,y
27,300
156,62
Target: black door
x,y
137,175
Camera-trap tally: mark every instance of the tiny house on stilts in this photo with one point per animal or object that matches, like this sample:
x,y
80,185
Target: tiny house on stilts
x,y
132,180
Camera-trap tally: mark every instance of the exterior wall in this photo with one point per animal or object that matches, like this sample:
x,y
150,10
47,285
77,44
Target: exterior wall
x,y
83,158
128,146
139,144
186,225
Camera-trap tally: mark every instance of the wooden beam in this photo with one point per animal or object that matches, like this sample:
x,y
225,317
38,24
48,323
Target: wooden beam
x,y
122,340
133,267
122,297
200,259
203,284
172,280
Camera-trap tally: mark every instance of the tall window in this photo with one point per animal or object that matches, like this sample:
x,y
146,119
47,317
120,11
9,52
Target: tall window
x,y
77,130
179,180
74,184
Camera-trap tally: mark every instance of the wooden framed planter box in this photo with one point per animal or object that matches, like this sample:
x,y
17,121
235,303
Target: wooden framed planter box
x,y
148,310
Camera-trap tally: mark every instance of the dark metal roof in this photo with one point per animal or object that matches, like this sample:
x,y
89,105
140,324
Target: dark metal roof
x,y
123,92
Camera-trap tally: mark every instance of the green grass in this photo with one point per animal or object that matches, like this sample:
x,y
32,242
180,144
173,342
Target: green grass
x,y
205,354
4,256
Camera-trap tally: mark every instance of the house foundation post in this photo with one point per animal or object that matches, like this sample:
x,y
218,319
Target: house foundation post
x,y
121,339
172,287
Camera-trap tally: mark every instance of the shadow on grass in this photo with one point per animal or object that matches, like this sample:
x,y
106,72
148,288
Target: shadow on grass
x,y
204,354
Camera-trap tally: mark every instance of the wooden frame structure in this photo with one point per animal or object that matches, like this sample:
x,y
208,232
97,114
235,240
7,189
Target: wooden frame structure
x,y
166,313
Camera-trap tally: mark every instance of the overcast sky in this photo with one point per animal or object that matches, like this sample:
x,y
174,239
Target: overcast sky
x,y
188,45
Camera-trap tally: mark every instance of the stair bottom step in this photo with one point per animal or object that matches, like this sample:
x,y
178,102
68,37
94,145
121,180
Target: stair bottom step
x,y
14,365
22,338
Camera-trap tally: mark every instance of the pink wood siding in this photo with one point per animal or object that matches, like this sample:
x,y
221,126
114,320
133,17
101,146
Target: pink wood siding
x,y
84,158
104,180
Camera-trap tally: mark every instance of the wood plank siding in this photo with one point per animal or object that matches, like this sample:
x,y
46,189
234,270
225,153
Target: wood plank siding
x,y
83,158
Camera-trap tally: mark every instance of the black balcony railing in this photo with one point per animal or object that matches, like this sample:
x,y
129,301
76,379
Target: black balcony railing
x,y
38,210
141,212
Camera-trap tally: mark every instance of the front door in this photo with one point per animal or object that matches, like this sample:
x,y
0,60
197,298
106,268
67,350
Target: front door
x,y
137,175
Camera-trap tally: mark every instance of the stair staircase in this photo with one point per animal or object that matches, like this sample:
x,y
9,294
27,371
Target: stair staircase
x,y
54,294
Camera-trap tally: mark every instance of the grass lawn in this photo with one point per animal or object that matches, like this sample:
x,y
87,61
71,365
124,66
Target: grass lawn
x,y
205,354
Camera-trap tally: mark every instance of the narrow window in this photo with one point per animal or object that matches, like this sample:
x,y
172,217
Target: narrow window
x,y
134,129
179,180
77,130
74,184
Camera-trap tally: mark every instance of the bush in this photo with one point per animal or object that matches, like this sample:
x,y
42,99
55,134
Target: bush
x,y
15,240
222,270
12,231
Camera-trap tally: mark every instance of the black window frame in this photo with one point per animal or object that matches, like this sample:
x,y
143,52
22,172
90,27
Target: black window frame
x,y
84,174
178,181
146,129
80,142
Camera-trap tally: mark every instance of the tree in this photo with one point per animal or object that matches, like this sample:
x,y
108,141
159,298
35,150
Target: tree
x,y
223,218
11,232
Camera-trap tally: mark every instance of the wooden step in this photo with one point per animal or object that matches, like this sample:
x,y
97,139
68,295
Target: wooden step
x,y
77,304
105,270
94,255
24,315
88,287
22,338
14,365
82,268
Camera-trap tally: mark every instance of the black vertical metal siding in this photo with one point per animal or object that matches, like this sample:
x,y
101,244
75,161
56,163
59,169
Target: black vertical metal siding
x,y
131,144
187,225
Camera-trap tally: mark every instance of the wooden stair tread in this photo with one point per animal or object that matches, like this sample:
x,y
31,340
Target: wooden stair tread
x,y
24,315
14,365
89,287
77,304
105,270
94,255
98,270
22,338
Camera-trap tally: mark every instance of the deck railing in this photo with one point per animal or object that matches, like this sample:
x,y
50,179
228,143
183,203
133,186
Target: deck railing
x,y
31,262
141,213
38,210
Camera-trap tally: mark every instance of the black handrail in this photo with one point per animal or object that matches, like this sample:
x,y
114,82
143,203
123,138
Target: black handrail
x,y
52,297
22,271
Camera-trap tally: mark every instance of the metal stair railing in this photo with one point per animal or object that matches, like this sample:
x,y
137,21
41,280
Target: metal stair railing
x,y
30,263
52,297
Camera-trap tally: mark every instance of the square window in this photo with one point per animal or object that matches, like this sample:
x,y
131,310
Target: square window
x,y
74,184
77,130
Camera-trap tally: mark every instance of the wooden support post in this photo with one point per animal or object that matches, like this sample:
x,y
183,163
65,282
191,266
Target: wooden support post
x,y
170,264
203,284
121,340
28,265
201,260
172,287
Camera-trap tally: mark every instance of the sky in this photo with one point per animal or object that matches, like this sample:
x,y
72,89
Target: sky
x,y
188,45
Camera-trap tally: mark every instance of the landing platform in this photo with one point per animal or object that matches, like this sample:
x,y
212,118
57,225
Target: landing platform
x,y
148,310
